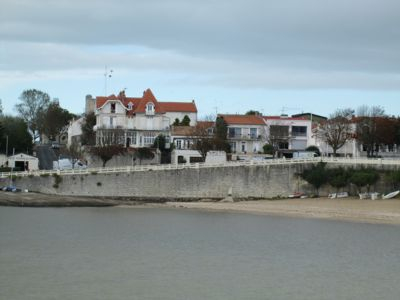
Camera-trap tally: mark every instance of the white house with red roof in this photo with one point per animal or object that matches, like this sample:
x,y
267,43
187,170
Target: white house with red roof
x,y
289,134
246,133
136,122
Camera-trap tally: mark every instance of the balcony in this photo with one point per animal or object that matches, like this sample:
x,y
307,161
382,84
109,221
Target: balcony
x,y
253,137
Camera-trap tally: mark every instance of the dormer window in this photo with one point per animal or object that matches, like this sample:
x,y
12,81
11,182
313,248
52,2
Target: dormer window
x,y
113,108
130,106
149,108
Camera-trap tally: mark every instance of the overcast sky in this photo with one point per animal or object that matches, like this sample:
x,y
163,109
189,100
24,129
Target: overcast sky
x,y
228,55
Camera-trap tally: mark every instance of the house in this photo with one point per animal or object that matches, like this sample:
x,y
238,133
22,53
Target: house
x,y
288,134
246,133
75,131
136,122
23,162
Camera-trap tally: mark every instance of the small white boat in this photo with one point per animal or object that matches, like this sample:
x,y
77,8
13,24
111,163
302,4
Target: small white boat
x,y
391,195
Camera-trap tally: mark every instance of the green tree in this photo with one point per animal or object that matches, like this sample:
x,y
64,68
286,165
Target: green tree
x,y
314,149
317,176
185,121
220,137
143,153
253,113
18,135
53,119
338,178
364,177
176,122
268,149
88,133
31,107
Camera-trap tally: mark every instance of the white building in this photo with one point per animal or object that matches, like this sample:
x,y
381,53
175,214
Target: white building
x,y
246,133
75,131
23,162
289,134
136,122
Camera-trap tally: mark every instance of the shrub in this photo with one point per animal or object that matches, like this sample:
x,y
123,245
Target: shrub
x,y
364,177
317,176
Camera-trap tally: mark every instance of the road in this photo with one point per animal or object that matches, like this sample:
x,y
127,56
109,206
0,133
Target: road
x,y
46,156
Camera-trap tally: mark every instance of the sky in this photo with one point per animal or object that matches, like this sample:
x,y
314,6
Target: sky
x,y
230,56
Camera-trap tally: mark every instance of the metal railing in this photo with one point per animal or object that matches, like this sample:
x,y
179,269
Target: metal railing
x,y
250,162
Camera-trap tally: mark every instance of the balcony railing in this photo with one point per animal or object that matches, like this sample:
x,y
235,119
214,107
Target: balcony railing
x,y
244,136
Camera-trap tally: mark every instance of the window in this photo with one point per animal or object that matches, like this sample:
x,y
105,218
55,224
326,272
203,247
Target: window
x,y
178,144
113,108
130,106
150,108
148,139
253,133
111,122
299,130
234,132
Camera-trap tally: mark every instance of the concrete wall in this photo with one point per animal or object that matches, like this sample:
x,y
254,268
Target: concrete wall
x,y
244,182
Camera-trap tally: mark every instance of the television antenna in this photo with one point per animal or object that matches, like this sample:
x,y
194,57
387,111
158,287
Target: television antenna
x,y
107,74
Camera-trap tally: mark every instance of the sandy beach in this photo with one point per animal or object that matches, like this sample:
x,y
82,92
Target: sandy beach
x,y
350,209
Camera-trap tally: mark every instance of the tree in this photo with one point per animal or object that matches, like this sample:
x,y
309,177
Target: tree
x,y
160,143
185,121
314,149
338,178
317,176
106,152
203,139
337,130
53,119
364,177
220,137
31,107
278,137
18,135
88,134
1,108
368,128
268,149
253,113
143,153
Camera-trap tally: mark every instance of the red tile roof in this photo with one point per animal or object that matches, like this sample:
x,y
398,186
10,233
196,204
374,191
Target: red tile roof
x,y
139,104
243,119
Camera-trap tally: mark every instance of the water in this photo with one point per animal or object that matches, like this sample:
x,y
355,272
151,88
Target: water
x,y
115,253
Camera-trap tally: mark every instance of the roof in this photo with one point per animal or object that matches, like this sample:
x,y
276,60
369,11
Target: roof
x,y
182,130
308,115
242,119
139,104
284,118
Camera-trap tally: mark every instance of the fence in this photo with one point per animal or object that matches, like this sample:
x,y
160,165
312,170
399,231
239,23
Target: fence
x,y
141,168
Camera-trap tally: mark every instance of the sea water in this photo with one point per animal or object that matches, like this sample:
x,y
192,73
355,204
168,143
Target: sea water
x,y
151,253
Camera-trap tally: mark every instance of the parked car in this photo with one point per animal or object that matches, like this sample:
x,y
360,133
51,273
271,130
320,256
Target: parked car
x,y
55,145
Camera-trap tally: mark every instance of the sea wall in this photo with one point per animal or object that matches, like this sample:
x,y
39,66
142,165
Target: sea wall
x,y
240,182
257,181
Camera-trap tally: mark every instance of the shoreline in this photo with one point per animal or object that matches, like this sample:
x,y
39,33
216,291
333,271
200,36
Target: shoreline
x,y
346,209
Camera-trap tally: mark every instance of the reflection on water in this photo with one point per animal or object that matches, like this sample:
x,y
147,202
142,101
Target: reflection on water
x,y
115,253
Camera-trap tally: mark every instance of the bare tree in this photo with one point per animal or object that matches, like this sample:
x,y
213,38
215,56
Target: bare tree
x,y
110,142
369,127
31,107
337,130
278,137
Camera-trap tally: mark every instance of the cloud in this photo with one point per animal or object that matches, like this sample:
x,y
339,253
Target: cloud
x,y
273,44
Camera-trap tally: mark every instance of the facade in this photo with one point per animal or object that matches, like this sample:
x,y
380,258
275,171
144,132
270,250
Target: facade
x,y
75,131
246,133
23,162
288,134
136,122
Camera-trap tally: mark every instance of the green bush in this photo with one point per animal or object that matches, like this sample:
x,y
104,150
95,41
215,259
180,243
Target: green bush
x,y
317,176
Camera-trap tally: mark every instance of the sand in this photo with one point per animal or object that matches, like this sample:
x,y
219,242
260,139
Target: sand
x,y
349,209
